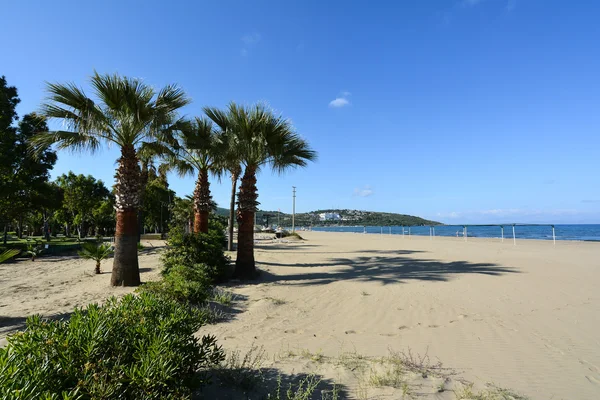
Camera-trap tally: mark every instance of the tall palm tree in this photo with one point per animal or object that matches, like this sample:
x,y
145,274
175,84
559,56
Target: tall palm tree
x,y
193,147
229,160
125,113
260,138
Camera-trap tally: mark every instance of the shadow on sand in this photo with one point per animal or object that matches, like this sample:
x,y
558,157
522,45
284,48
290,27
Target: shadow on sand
x,y
9,325
265,384
389,267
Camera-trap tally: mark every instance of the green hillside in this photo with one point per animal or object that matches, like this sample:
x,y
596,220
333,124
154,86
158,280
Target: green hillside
x,y
346,218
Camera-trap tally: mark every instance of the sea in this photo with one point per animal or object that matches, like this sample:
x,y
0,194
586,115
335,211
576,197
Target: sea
x,y
522,231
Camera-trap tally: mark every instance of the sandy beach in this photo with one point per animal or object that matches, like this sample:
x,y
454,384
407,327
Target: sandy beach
x,y
524,317
54,286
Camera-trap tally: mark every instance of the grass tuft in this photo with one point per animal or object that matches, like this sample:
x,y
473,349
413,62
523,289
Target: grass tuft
x,y
243,372
222,297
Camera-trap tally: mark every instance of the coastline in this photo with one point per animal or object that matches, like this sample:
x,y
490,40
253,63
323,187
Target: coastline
x,y
498,239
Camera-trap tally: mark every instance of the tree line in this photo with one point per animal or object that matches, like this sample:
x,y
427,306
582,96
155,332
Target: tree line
x,y
145,125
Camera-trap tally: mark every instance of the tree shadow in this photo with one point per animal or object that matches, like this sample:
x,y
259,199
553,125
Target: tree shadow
x,y
295,245
320,264
226,313
9,325
245,383
382,269
146,251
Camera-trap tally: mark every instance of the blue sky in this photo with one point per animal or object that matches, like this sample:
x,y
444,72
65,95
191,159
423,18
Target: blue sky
x,y
463,111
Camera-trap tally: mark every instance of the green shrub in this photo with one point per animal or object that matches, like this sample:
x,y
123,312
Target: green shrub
x,y
183,284
139,347
199,250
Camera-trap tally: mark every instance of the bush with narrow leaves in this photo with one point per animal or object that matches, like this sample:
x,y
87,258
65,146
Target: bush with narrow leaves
x,y
139,347
198,250
183,284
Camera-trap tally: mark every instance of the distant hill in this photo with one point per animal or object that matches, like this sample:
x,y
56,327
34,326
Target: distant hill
x,y
337,217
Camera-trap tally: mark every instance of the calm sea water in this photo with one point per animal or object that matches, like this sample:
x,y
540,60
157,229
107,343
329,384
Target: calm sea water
x,y
563,232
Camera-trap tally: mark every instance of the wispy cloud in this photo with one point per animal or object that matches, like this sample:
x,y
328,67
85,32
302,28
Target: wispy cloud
x,y
365,191
471,3
249,40
510,4
591,201
341,100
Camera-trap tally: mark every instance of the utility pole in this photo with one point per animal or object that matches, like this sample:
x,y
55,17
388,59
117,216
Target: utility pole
x,y
294,209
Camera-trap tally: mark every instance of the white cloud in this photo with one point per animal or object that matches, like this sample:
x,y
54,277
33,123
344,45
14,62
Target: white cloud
x,y
339,102
365,191
251,39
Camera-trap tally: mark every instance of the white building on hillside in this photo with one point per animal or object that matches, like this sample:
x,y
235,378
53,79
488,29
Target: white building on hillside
x,y
329,217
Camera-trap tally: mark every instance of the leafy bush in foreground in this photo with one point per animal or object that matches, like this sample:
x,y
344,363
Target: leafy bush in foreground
x,y
139,347
198,250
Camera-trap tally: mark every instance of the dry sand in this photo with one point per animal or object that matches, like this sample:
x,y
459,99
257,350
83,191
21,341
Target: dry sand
x,y
54,286
525,317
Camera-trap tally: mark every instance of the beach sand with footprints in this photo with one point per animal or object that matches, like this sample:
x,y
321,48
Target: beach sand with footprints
x,y
523,317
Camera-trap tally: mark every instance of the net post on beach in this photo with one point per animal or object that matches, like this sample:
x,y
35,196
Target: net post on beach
x,y
468,230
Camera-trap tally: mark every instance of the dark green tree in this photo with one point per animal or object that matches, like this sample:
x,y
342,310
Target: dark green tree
x,y
23,178
158,200
82,195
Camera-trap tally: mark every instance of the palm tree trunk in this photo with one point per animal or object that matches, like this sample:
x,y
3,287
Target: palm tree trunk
x,y
202,200
245,267
234,178
126,271
97,267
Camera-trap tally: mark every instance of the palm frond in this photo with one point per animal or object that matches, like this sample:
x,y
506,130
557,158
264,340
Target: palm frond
x,y
171,98
73,141
8,254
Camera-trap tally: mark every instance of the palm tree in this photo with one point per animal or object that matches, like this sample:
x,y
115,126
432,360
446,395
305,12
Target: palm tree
x,y
95,251
260,138
193,147
229,161
126,113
